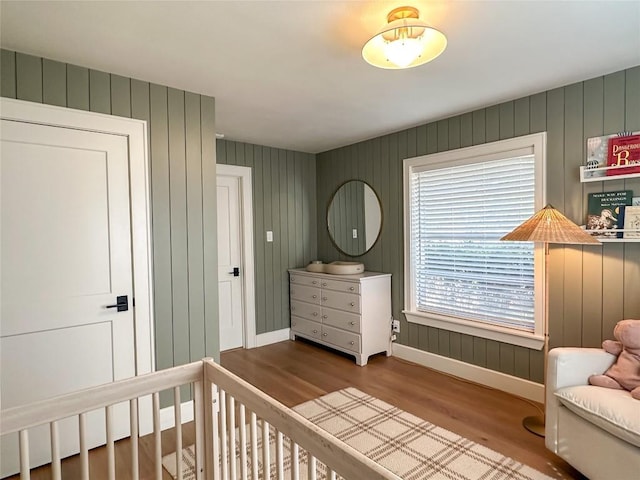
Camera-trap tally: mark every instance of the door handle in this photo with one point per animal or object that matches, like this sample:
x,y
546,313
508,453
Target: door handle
x,y
122,303
236,272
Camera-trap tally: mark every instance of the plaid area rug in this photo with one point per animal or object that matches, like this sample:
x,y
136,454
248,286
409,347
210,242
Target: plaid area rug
x,y
410,447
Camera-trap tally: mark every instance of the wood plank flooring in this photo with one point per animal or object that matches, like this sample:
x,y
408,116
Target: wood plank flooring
x,y
294,372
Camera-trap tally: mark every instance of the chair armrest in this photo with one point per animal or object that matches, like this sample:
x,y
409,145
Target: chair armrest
x,y
567,367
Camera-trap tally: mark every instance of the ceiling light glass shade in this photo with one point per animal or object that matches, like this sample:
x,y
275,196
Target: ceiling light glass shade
x,y
404,42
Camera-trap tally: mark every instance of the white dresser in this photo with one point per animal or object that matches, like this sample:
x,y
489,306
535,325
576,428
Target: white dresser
x,y
351,313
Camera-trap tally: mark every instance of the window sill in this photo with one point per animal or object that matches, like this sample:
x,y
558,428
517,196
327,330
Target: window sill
x,y
500,334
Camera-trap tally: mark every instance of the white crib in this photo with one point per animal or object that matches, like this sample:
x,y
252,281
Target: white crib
x,y
230,415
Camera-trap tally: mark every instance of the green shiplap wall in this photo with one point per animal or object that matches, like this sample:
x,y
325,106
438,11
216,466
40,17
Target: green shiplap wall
x,y
181,127
284,202
591,288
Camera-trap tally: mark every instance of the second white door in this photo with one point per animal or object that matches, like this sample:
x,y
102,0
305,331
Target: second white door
x,y
230,265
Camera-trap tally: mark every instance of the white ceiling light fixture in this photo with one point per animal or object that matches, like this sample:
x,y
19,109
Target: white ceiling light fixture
x,y
404,42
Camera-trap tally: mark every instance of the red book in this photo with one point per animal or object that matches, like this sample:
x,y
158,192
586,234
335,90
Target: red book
x,y
624,153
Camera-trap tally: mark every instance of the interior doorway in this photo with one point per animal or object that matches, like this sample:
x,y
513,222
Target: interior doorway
x,y
236,284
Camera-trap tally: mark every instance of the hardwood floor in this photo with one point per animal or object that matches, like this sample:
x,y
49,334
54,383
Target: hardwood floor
x,y
294,372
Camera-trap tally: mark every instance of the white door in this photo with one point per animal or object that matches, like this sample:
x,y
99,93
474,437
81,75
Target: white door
x,y
65,258
230,258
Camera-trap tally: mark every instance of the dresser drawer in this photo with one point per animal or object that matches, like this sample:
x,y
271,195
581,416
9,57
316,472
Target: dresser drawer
x,y
306,294
340,338
306,327
342,301
310,311
305,280
340,319
340,286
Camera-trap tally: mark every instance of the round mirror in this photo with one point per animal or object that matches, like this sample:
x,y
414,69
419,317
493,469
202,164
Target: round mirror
x,y
354,218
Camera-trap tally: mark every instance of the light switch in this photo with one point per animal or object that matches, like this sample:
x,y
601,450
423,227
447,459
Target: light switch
x,y
355,233
269,236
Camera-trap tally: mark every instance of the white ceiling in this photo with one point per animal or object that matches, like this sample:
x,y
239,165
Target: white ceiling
x,y
290,74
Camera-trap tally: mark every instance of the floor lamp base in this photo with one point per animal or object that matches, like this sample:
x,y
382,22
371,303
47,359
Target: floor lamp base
x,y
534,425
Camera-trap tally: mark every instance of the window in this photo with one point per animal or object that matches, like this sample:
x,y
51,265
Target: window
x,y
460,276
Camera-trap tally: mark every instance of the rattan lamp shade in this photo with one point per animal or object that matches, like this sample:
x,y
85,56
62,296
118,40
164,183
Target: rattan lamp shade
x,y
550,226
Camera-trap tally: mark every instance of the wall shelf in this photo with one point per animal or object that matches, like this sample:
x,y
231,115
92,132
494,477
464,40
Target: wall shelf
x,y
600,174
613,240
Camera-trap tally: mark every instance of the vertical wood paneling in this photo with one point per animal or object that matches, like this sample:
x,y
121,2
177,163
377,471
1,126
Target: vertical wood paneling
x,y
77,87
589,290
284,191
632,250
99,92
8,74
195,244
54,83
161,207
492,124
573,158
592,256
28,78
183,199
178,226
120,96
210,226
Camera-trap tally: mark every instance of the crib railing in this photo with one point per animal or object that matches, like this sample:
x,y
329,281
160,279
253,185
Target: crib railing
x,y
235,427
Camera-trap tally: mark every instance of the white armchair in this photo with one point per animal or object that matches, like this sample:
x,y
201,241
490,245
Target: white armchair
x,y
597,430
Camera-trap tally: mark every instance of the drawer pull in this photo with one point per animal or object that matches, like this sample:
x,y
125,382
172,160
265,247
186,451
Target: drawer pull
x,y
315,331
315,314
324,299
352,304
351,288
324,284
293,309
293,279
314,296
352,323
324,316
352,342
324,334
314,282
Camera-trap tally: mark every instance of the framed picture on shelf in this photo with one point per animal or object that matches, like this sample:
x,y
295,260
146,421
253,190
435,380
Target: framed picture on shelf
x,y
632,222
623,153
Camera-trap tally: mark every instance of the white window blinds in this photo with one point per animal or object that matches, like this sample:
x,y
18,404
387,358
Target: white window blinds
x,y
461,269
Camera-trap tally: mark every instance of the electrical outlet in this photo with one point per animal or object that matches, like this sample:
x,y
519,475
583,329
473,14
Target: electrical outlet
x,y
354,233
393,338
395,326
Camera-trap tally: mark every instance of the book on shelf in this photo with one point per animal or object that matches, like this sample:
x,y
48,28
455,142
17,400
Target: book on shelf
x,y
632,222
605,212
623,152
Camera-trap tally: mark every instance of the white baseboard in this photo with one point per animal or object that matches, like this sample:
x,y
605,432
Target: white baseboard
x,y
168,420
272,337
483,376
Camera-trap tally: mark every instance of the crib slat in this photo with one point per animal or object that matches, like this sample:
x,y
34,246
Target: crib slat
x,y
157,435
56,472
311,461
280,455
111,453
254,446
215,407
198,414
295,461
177,412
84,451
232,437
266,454
224,451
243,443
24,455
332,474
133,420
